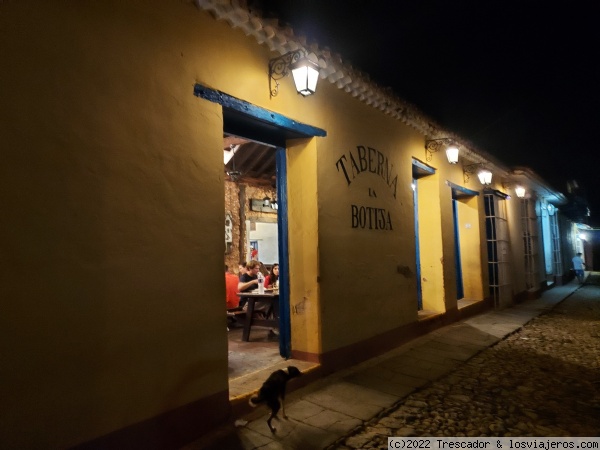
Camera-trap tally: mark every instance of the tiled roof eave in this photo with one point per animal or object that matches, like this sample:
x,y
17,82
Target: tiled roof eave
x,y
282,40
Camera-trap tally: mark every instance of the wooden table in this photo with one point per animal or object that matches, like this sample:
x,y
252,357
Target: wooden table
x,y
252,297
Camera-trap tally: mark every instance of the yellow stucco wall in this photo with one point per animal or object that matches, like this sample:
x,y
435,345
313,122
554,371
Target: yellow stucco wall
x,y
367,275
112,177
303,246
470,246
430,243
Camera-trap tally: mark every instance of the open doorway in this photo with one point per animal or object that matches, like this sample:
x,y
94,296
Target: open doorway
x,y
250,179
255,212
467,242
266,135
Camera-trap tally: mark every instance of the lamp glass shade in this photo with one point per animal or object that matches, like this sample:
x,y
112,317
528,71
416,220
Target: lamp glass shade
x,y
306,75
452,154
485,177
520,191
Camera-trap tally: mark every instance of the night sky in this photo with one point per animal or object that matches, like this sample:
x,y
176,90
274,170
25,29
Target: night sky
x,y
520,80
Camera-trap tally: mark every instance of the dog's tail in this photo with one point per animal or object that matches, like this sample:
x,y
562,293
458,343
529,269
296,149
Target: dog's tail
x,y
254,401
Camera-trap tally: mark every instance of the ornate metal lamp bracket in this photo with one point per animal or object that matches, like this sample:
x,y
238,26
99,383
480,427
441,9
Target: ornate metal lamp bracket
x,y
280,67
435,145
470,170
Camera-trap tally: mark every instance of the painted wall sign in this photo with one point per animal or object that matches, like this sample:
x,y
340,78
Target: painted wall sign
x,y
370,218
368,160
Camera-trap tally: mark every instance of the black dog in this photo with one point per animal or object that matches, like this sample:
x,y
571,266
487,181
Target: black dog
x,y
272,392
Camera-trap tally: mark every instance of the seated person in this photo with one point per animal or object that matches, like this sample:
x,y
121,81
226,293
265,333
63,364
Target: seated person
x,y
231,288
248,280
272,280
241,269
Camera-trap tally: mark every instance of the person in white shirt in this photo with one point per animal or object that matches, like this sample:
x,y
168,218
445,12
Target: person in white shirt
x,y
578,265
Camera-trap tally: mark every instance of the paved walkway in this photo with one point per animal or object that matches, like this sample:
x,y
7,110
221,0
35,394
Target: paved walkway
x,y
325,411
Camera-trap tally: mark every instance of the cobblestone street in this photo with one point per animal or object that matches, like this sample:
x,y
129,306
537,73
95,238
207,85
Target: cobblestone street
x,y
543,380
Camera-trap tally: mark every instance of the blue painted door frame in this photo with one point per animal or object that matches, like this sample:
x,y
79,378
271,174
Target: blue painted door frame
x,y
419,170
460,293
285,346
417,246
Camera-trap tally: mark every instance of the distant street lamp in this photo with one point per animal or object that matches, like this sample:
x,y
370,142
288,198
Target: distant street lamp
x,y
484,175
520,191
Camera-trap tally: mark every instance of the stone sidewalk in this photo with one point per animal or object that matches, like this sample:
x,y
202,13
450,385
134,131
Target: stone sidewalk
x,y
322,413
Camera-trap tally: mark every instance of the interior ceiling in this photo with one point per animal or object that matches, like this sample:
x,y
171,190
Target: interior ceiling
x,y
254,162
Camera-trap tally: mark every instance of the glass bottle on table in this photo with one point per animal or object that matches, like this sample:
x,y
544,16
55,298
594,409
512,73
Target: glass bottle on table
x,y
261,283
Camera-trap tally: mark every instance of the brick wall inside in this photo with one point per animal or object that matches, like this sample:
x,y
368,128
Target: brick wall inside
x,y
233,193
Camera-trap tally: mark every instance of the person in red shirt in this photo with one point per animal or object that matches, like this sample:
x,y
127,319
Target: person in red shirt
x,y
273,277
231,287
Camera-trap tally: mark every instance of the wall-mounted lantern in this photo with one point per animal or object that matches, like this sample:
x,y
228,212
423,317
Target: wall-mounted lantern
x,y
434,145
452,154
520,191
229,155
304,71
484,175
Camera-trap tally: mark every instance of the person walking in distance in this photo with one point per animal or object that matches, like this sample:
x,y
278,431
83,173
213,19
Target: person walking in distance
x,y
579,265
